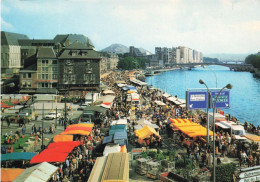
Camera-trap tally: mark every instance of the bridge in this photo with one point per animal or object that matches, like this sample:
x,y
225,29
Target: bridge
x,y
232,67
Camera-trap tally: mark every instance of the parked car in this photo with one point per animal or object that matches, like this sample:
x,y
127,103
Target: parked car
x,y
52,115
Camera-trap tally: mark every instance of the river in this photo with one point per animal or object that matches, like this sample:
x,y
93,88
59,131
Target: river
x,y
244,96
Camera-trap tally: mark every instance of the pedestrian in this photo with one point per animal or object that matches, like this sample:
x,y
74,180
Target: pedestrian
x,y
23,129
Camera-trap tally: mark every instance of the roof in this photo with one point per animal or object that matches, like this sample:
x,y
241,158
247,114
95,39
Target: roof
x,y
95,108
71,38
9,174
97,170
30,68
40,172
46,52
17,156
120,170
74,51
32,42
8,38
120,135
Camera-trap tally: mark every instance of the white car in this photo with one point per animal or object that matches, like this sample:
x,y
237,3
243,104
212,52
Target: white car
x,y
52,115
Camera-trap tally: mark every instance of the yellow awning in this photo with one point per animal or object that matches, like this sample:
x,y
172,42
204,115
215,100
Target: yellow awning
x,y
146,132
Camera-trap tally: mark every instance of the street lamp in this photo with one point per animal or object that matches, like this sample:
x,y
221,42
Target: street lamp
x,y
228,86
202,82
214,74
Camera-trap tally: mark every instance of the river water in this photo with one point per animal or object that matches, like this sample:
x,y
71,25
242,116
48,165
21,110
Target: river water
x,y
244,96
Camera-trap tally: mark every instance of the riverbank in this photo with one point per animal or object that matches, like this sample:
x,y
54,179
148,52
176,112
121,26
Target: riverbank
x,y
257,73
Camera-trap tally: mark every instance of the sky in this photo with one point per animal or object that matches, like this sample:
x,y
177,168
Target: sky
x,y
209,26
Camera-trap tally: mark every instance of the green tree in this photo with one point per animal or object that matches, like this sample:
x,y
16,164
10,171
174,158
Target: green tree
x,y
254,60
129,63
224,172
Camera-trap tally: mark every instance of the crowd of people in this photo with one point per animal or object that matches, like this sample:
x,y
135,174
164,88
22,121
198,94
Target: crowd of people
x,y
81,160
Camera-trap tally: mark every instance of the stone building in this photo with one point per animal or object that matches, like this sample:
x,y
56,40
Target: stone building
x,y
79,69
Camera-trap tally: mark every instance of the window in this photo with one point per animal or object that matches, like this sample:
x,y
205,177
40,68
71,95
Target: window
x,y
24,84
45,61
54,68
29,84
46,76
43,76
54,76
45,85
54,61
44,68
54,85
24,75
29,75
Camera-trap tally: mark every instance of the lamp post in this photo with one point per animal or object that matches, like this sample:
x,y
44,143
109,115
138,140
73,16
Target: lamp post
x,y
228,86
214,74
42,125
202,82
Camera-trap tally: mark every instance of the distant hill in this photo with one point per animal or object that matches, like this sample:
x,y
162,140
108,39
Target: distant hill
x,y
142,50
116,48
121,49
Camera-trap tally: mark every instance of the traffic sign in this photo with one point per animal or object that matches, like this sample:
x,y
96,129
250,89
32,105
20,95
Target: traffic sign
x,y
223,99
196,99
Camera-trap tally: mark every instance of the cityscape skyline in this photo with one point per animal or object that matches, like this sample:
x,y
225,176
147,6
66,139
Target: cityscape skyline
x,y
223,26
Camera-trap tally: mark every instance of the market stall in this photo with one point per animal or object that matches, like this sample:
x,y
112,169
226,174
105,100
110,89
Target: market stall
x,y
145,132
17,156
121,138
9,174
97,171
120,170
40,173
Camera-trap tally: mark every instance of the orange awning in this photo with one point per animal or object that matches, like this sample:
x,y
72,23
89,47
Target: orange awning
x,y
189,128
123,149
253,138
9,174
81,124
63,138
76,132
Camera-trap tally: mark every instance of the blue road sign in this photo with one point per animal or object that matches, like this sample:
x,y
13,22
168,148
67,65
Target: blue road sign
x,y
197,99
223,99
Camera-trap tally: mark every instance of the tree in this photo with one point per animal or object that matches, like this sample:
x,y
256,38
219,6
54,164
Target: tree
x,y
254,60
224,172
129,63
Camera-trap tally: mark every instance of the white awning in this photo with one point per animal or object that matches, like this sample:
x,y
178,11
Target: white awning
x,y
166,95
41,172
221,125
159,103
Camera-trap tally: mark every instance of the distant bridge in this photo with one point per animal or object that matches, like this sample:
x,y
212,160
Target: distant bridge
x,y
232,67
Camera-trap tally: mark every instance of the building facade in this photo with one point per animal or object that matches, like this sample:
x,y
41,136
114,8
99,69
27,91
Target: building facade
x,y
79,68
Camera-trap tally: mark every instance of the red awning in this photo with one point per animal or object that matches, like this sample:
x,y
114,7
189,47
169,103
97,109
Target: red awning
x,y
52,157
62,144
56,153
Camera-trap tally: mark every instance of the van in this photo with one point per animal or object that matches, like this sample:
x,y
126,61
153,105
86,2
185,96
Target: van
x,y
89,96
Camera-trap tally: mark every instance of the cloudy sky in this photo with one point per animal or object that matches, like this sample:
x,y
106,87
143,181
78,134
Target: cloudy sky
x,y
210,26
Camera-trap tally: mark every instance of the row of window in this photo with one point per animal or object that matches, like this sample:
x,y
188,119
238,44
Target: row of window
x,y
48,61
27,75
47,76
47,85
26,84
47,68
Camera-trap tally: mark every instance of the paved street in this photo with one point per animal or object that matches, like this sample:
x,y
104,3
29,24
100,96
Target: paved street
x,y
47,137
